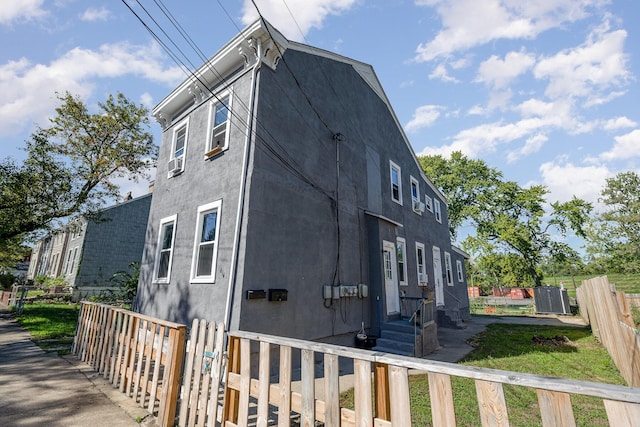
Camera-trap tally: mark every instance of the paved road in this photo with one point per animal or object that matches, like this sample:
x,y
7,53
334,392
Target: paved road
x,y
40,389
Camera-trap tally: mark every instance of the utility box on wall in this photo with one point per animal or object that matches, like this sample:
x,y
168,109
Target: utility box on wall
x,y
278,294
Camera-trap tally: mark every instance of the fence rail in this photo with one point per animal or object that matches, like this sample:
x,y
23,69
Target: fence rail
x,y
271,380
385,401
608,312
140,355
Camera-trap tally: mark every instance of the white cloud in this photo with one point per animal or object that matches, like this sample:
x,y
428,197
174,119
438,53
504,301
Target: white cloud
x,y
147,100
94,14
498,73
626,146
532,145
308,14
27,90
500,19
619,123
587,70
11,11
424,116
440,73
565,180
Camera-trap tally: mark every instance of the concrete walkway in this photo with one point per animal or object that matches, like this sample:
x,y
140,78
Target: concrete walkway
x,y
40,389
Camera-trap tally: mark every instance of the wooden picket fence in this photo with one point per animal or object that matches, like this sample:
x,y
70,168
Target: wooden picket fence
x,y
381,389
608,312
139,355
143,357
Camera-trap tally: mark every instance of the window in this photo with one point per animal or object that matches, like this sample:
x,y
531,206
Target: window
x,y
402,265
164,254
436,208
447,266
422,275
67,267
418,207
218,126
459,269
396,182
73,260
428,203
179,147
206,243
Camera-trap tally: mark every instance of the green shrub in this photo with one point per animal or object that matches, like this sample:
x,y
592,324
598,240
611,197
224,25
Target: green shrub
x,y
6,280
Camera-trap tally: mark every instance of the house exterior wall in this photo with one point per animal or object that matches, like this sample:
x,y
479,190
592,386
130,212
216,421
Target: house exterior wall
x,y
312,206
203,181
291,237
109,244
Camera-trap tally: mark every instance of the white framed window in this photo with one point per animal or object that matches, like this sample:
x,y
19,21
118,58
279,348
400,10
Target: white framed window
x,y
164,251
448,267
459,270
401,250
420,265
67,266
178,147
396,182
205,248
218,134
437,211
418,206
428,203
73,260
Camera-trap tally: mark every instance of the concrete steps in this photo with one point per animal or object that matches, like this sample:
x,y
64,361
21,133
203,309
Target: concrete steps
x,y
396,337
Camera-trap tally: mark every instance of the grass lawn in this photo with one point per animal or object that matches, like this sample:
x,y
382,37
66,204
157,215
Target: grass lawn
x,y
51,325
513,348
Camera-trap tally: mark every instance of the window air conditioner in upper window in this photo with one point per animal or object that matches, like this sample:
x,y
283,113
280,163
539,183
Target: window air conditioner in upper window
x,y
175,165
418,206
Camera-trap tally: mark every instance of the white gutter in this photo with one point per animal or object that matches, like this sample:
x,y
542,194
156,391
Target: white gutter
x,y
241,195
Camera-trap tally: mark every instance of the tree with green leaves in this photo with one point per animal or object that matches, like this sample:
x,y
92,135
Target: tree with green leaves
x,y
614,235
72,164
508,218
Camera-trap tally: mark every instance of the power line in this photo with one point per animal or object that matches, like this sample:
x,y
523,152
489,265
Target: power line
x,y
294,168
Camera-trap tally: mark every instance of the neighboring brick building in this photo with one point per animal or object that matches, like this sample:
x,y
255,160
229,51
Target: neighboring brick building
x,y
86,253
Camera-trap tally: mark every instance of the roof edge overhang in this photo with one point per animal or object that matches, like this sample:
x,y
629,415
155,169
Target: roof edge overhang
x,y
262,40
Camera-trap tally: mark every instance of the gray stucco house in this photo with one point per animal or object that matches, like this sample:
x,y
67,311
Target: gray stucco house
x,y
86,253
288,200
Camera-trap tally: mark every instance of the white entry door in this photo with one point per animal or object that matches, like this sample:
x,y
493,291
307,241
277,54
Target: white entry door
x,y
437,276
391,277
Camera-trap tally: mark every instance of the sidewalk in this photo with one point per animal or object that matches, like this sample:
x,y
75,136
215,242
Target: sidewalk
x,y
40,389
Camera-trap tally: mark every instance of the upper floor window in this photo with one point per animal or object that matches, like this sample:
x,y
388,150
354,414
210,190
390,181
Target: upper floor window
x,y
437,211
459,269
396,182
447,265
402,264
179,147
164,253
418,206
218,126
428,203
206,243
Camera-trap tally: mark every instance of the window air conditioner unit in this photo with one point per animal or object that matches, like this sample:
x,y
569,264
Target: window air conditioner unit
x,y
418,206
175,165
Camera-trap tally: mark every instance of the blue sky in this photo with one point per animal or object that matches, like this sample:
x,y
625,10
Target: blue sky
x,y
546,91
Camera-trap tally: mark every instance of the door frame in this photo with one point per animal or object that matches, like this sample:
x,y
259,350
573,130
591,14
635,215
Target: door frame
x,y
390,275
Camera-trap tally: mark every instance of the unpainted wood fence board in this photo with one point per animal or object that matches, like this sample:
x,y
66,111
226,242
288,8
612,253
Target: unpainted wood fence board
x,y
555,409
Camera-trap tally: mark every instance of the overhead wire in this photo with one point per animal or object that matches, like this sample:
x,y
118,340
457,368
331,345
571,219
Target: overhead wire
x,y
295,169
289,163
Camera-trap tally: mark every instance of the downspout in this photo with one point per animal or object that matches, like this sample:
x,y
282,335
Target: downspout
x,y
241,195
